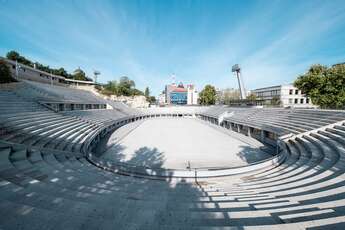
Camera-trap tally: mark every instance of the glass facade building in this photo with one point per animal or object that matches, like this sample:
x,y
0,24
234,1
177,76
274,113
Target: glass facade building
x,y
178,98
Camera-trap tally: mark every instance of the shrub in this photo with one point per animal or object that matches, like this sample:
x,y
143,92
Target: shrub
x,y
5,73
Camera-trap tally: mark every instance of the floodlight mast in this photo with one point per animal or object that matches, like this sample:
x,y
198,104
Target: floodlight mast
x,y
96,73
236,69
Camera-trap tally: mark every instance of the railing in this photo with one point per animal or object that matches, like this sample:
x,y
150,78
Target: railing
x,y
322,128
144,171
129,169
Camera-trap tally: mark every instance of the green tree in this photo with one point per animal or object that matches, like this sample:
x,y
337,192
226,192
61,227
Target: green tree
x,y
251,97
12,55
80,75
208,95
60,72
111,88
136,92
5,73
325,86
152,99
15,56
147,92
125,86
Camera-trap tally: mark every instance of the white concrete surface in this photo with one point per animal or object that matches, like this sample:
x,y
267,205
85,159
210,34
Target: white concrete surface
x,y
173,142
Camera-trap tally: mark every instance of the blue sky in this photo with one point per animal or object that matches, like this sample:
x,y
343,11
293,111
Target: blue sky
x,y
198,41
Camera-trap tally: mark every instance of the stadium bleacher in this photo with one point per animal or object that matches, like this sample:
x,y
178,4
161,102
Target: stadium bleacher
x,y
60,93
47,180
282,120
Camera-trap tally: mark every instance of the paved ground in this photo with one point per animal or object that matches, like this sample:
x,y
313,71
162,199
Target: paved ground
x,y
172,143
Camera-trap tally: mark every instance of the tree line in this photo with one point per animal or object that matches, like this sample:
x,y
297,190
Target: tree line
x,y
78,74
324,85
125,87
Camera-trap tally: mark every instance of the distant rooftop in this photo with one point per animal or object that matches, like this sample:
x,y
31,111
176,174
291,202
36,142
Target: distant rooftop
x,y
342,63
179,90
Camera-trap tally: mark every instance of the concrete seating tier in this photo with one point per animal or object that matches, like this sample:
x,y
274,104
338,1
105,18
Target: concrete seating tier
x,y
11,103
47,183
101,117
28,91
97,116
306,191
60,93
50,129
31,124
283,121
123,108
312,181
216,111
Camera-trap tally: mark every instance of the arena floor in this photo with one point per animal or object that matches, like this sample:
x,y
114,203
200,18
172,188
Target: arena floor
x,y
177,143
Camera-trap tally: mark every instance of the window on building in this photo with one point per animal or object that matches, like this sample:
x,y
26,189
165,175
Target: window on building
x,y
302,100
296,91
275,93
296,101
290,91
290,101
307,100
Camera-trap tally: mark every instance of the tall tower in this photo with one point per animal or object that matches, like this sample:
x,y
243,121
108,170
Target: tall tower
x,y
236,69
96,73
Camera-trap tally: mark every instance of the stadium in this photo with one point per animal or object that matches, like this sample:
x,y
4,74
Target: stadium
x,y
172,115
73,160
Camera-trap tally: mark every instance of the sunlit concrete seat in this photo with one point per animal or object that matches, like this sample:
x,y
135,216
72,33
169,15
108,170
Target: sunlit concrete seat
x,y
48,182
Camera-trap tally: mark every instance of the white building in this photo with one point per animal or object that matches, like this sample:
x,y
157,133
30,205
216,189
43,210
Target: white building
x,y
192,95
285,95
162,99
224,96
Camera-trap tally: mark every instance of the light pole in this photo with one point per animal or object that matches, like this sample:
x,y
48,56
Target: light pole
x,y
96,73
51,78
18,67
236,69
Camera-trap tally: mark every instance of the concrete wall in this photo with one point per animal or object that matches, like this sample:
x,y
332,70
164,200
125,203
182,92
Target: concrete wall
x,y
24,72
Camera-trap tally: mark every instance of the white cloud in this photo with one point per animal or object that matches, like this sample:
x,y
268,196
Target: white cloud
x,y
273,41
